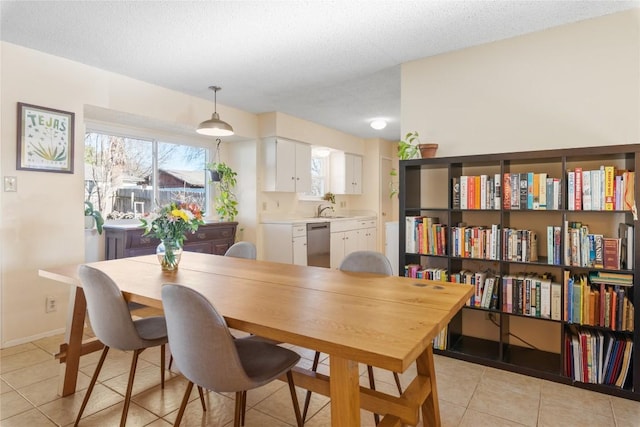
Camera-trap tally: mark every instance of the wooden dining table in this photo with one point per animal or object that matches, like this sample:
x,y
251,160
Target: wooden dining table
x,y
386,322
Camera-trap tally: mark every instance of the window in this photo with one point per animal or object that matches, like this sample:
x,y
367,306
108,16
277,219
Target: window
x,y
319,171
127,177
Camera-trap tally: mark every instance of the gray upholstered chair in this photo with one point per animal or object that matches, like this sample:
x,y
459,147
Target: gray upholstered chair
x,y
207,354
237,250
362,262
242,250
112,324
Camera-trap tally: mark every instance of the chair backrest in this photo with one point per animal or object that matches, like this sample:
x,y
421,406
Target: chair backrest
x,y
201,344
367,262
108,311
242,250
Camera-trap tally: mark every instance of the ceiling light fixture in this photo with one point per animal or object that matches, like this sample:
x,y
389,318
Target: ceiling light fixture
x,y
378,124
214,126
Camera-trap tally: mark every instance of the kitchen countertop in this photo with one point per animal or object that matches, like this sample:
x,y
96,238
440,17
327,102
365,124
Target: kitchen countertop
x,y
308,220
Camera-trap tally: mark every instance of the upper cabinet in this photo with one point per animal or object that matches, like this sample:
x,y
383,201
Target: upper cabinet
x,y
346,173
287,166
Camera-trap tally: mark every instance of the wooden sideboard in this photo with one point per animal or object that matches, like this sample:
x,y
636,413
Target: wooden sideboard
x,y
122,241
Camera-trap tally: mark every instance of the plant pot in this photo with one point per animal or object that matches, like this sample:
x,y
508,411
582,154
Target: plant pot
x,y
214,175
89,222
427,150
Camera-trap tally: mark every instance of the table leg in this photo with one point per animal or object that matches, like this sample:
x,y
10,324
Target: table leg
x,y
72,346
430,407
345,392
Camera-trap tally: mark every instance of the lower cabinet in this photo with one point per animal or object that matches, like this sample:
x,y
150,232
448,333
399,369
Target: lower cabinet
x,y
122,241
350,236
285,243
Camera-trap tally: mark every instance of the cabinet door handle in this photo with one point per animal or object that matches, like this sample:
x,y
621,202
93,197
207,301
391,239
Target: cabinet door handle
x,y
145,240
201,236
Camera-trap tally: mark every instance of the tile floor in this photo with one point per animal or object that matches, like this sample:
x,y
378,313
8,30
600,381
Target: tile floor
x,y
469,395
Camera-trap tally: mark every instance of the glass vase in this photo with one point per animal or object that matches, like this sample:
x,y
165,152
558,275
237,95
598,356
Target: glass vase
x,y
169,252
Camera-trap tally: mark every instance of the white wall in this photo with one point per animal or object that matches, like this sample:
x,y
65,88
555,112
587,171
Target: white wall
x,y
570,86
42,223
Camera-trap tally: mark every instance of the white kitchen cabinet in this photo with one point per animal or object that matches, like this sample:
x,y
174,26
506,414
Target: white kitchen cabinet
x,y
349,236
367,236
287,166
299,244
342,244
285,243
346,173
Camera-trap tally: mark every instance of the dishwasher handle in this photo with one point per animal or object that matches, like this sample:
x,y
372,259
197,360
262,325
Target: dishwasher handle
x,y
321,226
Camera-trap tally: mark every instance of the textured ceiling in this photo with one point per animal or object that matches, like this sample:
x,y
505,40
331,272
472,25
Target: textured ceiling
x,y
336,63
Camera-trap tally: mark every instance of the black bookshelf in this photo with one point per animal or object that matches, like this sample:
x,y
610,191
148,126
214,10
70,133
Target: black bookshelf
x,y
422,195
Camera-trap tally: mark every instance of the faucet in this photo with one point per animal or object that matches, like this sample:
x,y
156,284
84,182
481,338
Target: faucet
x,y
322,209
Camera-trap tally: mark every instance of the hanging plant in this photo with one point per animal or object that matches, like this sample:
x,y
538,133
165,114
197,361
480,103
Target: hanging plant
x,y
226,204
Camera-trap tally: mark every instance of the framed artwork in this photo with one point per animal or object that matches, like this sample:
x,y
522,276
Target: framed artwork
x,y
45,139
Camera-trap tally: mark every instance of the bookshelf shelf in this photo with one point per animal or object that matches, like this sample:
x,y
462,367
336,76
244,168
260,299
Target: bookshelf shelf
x,y
571,311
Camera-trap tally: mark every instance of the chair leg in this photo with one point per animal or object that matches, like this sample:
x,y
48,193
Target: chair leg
x,y
170,362
162,355
236,416
372,385
183,405
127,396
204,407
307,398
244,407
91,384
397,378
294,398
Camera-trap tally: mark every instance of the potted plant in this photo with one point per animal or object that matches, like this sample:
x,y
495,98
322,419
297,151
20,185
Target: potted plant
x,y
410,146
224,178
92,216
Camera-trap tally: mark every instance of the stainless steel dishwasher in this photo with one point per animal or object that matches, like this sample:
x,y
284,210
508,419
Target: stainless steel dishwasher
x,y
318,246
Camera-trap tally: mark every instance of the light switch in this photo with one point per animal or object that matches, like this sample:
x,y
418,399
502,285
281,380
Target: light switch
x,y
10,183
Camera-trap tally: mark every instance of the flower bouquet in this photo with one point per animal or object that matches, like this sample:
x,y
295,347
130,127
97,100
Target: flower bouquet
x,y
169,224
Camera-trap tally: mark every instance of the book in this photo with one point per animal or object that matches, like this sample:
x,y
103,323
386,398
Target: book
x,y
571,190
542,183
625,234
455,202
464,198
515,191
524,190
629,201
506,191
586,190
578,189
596,190
545,298
497,198
556,301
483,192
609,188
611,253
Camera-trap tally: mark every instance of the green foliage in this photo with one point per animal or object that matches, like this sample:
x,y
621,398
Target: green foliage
x,y
97,216
393,183
172,221
406,147
226,203
329,197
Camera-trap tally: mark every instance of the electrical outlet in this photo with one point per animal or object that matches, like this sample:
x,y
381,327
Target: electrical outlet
x,y
51,305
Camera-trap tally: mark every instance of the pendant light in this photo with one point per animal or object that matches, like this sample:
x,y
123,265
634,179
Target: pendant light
x,y
214,126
